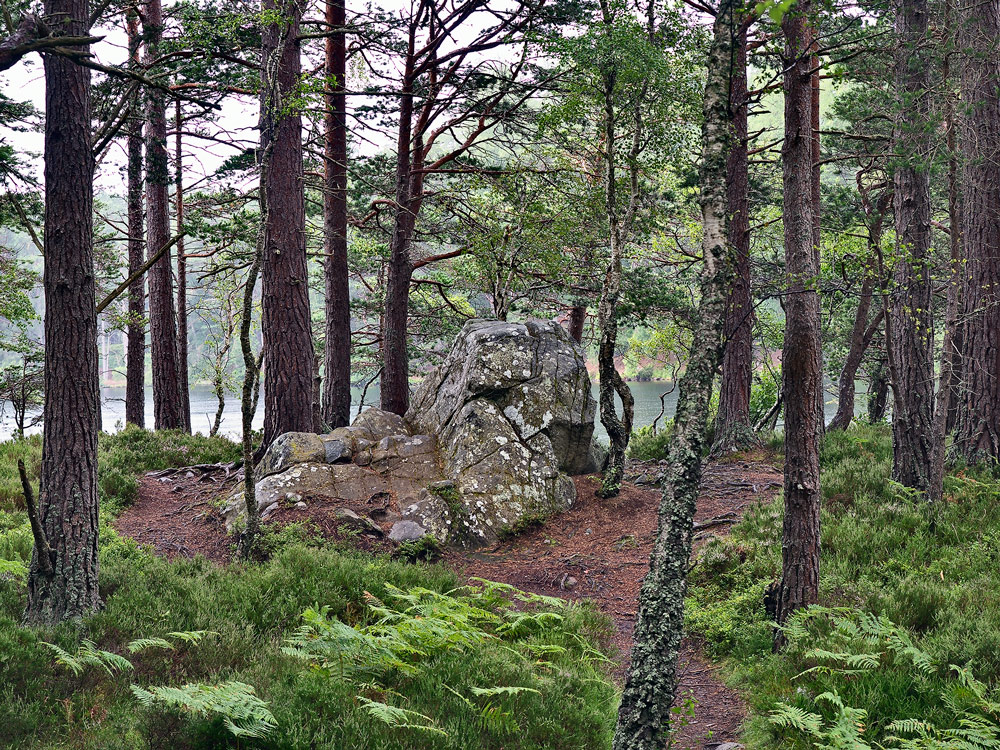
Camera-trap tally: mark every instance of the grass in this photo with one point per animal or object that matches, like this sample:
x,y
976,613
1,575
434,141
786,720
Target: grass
x,y
540,663
932,570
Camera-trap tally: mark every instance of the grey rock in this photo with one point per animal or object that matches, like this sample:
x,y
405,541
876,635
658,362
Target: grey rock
x,y
723,746
374,424
269,510
512,413
338,450
289,449
361,523
406,531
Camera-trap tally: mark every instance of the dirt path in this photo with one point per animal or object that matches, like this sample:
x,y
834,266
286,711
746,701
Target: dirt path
x,y
598,550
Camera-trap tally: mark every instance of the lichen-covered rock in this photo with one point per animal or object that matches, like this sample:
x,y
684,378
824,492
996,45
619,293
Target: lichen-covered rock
x,y
375,424
489,443
513,414
291,448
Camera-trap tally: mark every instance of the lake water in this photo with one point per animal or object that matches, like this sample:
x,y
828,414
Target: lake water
x,y
203,406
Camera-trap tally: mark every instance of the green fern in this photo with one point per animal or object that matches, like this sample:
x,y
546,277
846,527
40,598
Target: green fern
x,y
143,644
236,703
400,718
88,655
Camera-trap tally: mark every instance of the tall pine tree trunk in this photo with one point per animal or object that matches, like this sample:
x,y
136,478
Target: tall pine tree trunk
x,y
182,324
950,362
167,407
816,192
733,429
395,379
644,715
977,431
911,311
65,585
286,325
801,375
337,386
135,358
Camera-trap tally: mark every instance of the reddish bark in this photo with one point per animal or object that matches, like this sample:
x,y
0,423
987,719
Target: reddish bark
x,y
135,366
288,346
911,311
977,431
337,385
733,428
801,376
182,325
167,407
68,503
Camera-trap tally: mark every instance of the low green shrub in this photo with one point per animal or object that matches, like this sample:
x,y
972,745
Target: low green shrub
x,y
488,667
930,569
646,445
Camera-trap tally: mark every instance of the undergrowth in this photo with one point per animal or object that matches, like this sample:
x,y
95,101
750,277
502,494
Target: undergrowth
x,y
187,654
383,649
929,571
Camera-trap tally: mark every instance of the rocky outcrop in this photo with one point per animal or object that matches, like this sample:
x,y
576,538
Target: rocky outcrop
x,y
513,413
488,445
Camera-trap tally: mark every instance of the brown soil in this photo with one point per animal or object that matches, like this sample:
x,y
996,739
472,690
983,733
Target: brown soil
x,y
597,550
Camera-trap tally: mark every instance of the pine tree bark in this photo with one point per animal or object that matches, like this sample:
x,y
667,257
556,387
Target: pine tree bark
x,y
286,324
68,503
801,375
167,407
733,429
977,429
135,358
911,310
337,354
182,317
644,715
950,361
395,381
862,334
817,205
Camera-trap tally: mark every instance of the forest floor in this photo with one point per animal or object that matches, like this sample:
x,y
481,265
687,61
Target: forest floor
x,y
597,550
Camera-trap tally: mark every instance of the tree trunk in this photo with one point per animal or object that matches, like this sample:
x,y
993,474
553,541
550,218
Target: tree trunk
x,y
395,380
288,346
801,375
68,512
950,363
135,358
167,408
878,392
610,380
577,320
182,324
337,386
977,432
862,334
644,715
817,205
733,429
911,311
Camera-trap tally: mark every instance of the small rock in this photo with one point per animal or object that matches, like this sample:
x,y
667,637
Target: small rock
x,y
269,510
589,531
364,458
300,504
406,531
189,474
724,746
361,523
570,583
337,451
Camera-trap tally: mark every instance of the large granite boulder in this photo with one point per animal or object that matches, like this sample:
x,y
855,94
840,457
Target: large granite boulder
x,y
487,446
513,413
